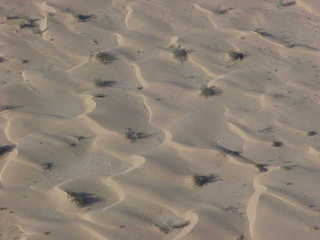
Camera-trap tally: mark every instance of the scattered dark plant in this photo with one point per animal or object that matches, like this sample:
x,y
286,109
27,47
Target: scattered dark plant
x,y
277,144
181,54
134,135
100,95
104,83
262,167
210,91
30,23
312,133
48,166
202,180
85,17
105,57
235,55
8,107
222,11
6,149
83,199
169,227
228,151
286,3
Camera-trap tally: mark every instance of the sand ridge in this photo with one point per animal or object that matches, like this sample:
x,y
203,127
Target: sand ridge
x,y
159,119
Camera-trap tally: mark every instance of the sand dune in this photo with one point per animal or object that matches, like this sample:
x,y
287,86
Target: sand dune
x,y
159,119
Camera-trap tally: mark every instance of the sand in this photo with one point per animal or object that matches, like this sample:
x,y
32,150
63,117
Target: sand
x,y
159,119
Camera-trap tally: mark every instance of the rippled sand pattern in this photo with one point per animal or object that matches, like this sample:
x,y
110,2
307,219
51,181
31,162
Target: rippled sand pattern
x,y
159,119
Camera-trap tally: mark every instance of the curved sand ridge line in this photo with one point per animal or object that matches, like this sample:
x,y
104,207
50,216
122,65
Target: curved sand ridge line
x,y
147,187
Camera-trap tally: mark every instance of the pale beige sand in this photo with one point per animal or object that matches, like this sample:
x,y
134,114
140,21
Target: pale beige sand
x,y
62,134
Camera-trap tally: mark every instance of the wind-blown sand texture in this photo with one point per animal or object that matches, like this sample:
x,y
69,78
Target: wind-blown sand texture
x,y
159,119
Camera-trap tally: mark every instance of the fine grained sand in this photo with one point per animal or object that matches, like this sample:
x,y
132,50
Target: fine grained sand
x,y
199,119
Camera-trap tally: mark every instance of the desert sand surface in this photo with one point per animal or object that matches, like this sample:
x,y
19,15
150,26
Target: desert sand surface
x,y
159,119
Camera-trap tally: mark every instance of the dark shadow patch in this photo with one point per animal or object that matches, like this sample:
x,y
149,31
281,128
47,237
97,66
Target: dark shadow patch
x,y
169,227
235,55
80,138
263,33
228,151
277,144
100,95
133,135
83,199
278,40
85,17
6,149
222,11
73,144
30,23
104,83
13,17
286,3
241,237
261,167
48,166
210,91
106,57
289,167
2,59
180,54
312,133
202,180
8,107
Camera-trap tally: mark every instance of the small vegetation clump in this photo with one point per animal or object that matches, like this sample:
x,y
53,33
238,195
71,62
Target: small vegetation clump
x,y
85,17
288,167
235,55
312,133
2,59
241,237
228,151
104,83
209,91
222,11
83,199
263,33
48,166
202,180
7,107
169,227
134,135
180,54
262,167
32,24
13,17
286,3
277,144
105,57
100,95
6,149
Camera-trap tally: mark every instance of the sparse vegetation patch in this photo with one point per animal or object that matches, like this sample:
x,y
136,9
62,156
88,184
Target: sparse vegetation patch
x,y
169,227
104,83
202,180
106,57
6,149
210,91
83,199
133,135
